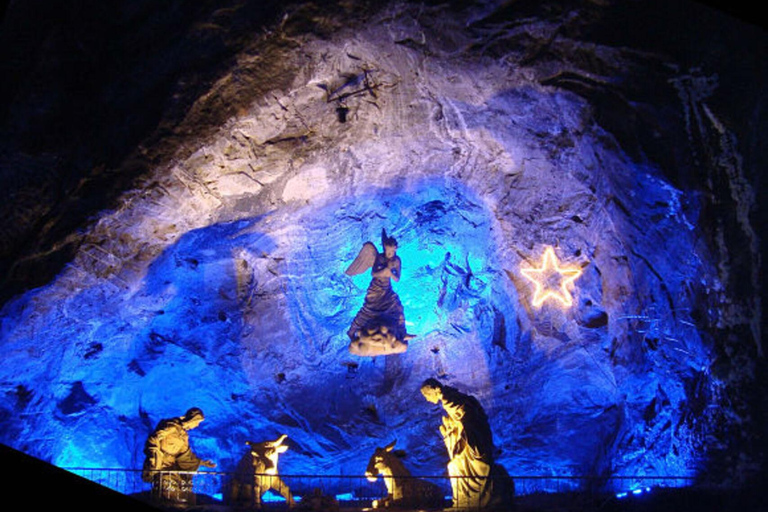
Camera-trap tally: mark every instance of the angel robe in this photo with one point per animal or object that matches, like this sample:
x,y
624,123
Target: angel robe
x,y
382,306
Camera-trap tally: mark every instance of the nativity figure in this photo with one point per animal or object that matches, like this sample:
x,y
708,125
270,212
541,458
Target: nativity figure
x,y
379,327
476,481
257,473
403,490
170,462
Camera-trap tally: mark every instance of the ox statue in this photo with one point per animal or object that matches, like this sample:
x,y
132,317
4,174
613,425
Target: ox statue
x,y
403,490
256,473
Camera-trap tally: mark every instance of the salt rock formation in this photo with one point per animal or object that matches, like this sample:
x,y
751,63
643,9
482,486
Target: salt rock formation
x,y
478,138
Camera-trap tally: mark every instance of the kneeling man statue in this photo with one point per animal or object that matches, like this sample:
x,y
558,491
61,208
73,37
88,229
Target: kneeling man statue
x,y
476,481
170,461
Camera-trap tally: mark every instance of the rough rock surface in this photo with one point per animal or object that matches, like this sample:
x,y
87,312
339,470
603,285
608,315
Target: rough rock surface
x,y
205,262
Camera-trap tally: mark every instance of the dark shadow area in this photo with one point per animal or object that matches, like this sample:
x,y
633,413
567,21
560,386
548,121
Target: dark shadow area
x,y
42,486
658,500
88,86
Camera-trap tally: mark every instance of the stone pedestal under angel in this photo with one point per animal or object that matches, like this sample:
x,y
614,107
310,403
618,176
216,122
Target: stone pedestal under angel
x,y
379,327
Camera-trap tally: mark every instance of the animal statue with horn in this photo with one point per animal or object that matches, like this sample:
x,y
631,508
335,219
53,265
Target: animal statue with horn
x,y
403,490
257,473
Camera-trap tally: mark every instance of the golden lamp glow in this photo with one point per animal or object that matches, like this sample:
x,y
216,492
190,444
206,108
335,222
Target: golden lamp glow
x,y
551,280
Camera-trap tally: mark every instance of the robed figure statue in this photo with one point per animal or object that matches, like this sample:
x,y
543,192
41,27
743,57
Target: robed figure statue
x,y
476,480
379,327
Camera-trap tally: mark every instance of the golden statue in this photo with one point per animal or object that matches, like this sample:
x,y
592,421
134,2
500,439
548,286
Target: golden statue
x,y
476,481
167,453
257,473
403,490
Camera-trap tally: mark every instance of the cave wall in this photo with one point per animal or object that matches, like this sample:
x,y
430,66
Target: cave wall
x,y
204,265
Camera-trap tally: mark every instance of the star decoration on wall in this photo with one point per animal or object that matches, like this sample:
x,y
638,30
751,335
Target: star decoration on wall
x,y
551,280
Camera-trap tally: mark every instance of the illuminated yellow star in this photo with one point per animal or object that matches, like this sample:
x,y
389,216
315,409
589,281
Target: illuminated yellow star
x,y
551,279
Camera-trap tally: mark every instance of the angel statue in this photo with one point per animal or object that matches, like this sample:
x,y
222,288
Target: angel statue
x,y
379,327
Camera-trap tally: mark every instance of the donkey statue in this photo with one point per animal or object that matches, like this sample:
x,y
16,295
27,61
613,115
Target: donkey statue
x,y
256,473
403,490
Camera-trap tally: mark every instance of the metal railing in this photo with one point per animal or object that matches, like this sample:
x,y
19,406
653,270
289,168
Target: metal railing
x,y
180,488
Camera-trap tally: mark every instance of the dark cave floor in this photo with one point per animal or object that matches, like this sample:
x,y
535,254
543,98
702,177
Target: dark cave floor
x,y
660,500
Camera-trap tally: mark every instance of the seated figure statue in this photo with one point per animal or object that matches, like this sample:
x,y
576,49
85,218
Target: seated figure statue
x,y
257,473
476,481
169,460
379,327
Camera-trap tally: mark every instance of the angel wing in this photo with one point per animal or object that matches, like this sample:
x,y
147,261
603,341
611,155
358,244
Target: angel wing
x,y
365,259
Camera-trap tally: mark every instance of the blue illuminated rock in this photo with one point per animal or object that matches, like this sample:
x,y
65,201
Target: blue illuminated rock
x,y
217,280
